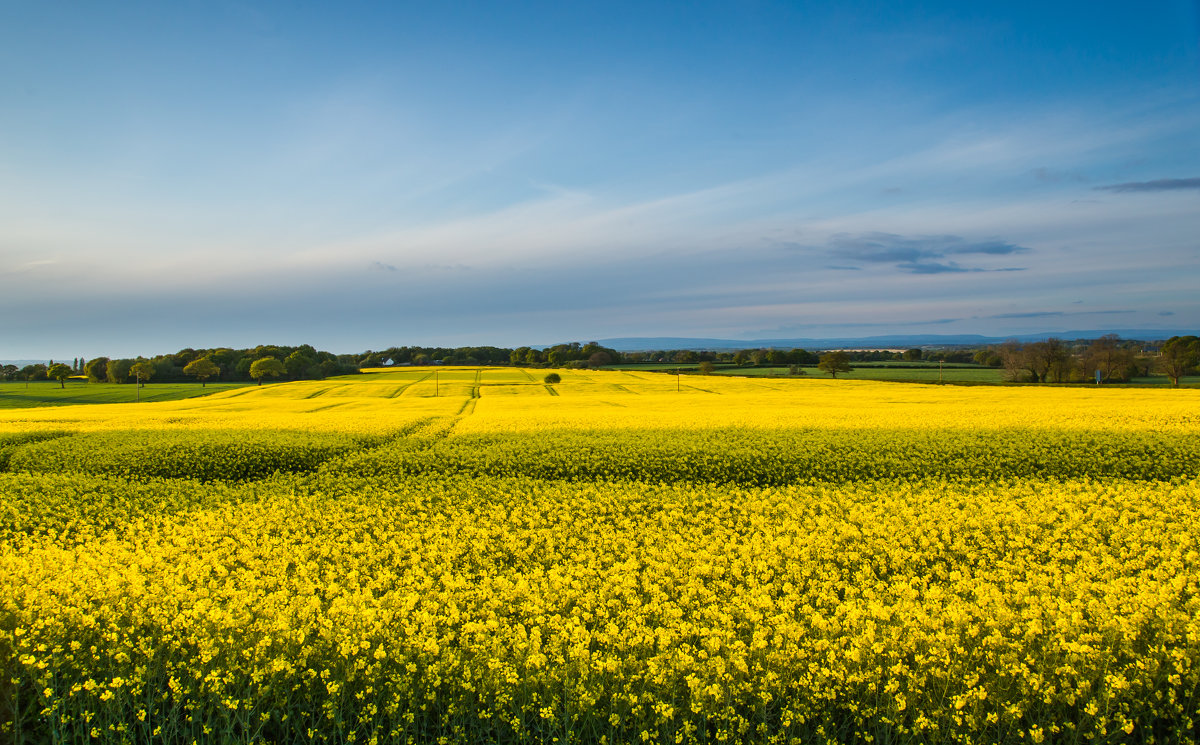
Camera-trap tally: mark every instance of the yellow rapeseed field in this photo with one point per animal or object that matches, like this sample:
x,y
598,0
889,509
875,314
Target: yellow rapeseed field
x,y
472,555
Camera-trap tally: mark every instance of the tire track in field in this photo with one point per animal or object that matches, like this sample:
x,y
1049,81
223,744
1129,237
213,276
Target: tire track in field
x,y
401,391
327,389
240,392
327,407
468,407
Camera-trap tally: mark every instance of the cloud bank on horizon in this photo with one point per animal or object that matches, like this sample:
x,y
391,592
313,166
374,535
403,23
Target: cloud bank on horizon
x,y
378,174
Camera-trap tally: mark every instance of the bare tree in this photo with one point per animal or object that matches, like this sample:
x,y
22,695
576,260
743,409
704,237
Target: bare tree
x,y
1060,363
1012,359
1037,360
1108,356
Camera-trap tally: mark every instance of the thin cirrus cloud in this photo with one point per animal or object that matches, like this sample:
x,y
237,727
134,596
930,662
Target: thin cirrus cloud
x,y
1057,313
1162,184
918,254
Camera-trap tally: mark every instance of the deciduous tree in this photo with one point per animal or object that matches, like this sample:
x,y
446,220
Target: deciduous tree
x,y
34,372
834,363
326,368
117,371
96,369
202,369
297,364
267,366
59,372
1179,356
142,371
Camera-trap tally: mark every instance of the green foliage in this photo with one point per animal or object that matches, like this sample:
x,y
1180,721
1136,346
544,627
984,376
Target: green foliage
x,y
202,369
552,378
834,363
267,366
59,372
142,371
96,369
297,364
118,370
1179,356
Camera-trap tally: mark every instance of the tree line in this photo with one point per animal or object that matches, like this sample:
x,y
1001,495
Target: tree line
x,y
1049,361
1108,359
232,365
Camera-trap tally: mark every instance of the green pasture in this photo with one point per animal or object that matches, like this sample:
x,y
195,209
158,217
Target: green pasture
x,y
25,394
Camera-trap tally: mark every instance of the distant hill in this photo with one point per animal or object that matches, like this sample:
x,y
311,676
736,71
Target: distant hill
x,y
641,344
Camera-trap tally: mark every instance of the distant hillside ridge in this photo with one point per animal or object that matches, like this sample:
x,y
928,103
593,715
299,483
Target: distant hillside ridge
x,y
647,343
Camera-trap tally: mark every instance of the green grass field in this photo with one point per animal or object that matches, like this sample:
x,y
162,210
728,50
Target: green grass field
x,y
22,395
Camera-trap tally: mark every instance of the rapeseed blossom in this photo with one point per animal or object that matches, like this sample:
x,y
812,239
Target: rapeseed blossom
x,y
745,561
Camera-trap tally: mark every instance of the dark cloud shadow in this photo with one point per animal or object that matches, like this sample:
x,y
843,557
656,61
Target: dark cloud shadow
x,y
919,254
1032,314
1162,184
1057,313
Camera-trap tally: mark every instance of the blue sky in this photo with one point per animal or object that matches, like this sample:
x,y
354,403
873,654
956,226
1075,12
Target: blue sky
x,y
362,175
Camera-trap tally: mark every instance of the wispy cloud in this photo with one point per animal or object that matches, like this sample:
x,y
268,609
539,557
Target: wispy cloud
x,y
1162,184
1031,314
1057,313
